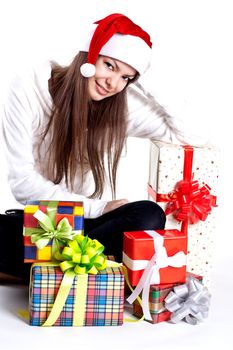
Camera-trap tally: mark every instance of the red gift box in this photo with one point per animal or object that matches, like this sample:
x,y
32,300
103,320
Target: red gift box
x,y
170,246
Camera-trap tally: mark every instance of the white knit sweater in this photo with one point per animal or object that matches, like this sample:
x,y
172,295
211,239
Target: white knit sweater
x,y
26,113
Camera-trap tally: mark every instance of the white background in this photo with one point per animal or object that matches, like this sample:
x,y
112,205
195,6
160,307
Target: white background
x,y
191,75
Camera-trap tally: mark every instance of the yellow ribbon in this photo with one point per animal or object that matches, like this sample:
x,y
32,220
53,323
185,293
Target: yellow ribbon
x,y
125,271
61,297
80,300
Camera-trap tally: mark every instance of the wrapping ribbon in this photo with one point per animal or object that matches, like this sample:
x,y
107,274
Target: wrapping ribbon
x,y
189,302
125,271
151,273
48,230
91,261
189,202
83,255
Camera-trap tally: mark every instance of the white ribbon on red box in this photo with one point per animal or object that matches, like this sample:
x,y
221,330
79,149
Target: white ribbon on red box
x,y
151,273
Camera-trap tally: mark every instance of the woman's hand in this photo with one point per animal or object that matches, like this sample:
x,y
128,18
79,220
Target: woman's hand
x,y
114,204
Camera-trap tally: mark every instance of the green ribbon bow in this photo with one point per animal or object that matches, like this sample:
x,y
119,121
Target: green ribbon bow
x,y
48,231
83,255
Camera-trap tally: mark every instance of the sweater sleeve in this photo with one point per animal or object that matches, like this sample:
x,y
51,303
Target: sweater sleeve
x,y
19,114
148,119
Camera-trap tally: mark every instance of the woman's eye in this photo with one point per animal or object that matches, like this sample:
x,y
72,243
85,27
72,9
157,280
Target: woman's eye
x,y
126,79
109,65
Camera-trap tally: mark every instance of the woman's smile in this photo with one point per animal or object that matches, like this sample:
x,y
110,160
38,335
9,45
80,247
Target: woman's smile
x,y
100,89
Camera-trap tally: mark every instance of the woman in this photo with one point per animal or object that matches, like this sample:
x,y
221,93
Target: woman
x,y
65,128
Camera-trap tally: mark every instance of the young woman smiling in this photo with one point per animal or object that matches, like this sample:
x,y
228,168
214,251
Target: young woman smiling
x,y
65,128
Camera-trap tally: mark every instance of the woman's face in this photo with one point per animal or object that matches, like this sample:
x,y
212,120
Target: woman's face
x,y
111,77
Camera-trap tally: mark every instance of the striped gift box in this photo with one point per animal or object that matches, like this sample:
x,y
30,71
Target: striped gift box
x,y
158,293
104,298
73,211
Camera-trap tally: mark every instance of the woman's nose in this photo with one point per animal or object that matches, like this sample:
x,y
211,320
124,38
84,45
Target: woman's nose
x,y
113,82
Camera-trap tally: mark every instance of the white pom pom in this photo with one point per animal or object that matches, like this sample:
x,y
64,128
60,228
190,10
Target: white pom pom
x,y
87,70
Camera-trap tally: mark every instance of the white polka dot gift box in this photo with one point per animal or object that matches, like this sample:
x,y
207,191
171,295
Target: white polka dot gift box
x,y
183,180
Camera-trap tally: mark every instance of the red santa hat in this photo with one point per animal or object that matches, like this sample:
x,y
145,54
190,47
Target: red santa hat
x,y
118,37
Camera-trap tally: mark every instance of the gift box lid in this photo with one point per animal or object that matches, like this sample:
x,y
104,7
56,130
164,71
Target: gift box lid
x,y
46,271
139,244
169,145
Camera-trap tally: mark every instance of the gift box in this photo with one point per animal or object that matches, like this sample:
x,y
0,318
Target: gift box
x,y
183,180
157,296
164,250
92,300
47,226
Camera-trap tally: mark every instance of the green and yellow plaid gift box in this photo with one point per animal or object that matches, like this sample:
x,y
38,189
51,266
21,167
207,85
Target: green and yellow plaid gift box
x,y
47,226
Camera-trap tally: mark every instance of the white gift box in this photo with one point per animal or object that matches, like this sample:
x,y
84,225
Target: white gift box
x,y
166,170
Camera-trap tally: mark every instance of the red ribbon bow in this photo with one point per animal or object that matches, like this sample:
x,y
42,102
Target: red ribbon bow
x,y
189,202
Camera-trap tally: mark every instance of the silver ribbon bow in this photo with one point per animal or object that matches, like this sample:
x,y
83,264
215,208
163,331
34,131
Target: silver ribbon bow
x,y
189,302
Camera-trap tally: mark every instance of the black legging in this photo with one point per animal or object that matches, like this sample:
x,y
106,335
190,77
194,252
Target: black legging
x,y
135,216
108,229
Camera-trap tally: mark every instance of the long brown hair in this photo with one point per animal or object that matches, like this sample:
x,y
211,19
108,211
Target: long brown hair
x,y
83,131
